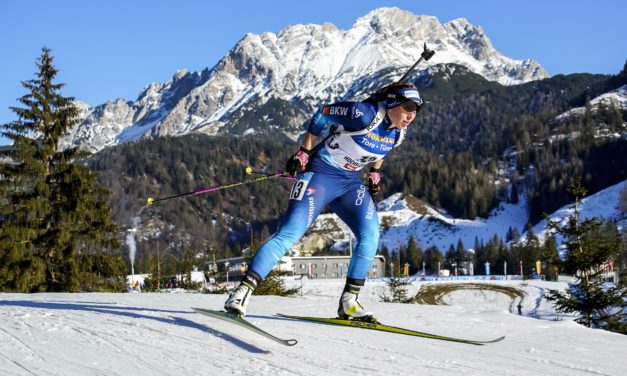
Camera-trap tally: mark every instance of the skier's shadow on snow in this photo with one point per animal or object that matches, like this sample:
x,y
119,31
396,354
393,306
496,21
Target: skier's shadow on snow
x,y
107,308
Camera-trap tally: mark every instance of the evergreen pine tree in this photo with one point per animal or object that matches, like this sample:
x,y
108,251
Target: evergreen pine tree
x,y
512,234
385,252
432,258
414,256
531,251
587,133
513,198
53,210
597,305
550,259
449,256
273,284
398,289
460,252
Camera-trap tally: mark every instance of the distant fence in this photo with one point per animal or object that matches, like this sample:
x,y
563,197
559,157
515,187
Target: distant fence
x,y
429,278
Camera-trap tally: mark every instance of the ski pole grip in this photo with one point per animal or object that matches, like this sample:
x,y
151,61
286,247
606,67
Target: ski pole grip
x,y
427,54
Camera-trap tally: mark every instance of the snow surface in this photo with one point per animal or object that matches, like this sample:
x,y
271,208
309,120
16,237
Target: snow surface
x,y
433,228
604,204
442,231
158,334
616,97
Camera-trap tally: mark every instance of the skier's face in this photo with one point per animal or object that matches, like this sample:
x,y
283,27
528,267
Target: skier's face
x,y
401,116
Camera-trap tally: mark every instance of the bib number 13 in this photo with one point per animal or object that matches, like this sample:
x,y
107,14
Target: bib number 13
x,y
300,187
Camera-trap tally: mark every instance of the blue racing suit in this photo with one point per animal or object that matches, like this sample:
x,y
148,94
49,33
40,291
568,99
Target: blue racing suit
x,y
360,134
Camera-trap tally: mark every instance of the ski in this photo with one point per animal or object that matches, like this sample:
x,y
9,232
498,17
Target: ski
x,y
386,328
236,319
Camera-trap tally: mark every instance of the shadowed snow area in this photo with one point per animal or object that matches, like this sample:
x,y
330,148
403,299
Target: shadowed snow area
x,y
159,334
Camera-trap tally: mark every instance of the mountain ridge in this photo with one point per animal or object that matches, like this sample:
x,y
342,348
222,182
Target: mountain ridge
x,y
304,65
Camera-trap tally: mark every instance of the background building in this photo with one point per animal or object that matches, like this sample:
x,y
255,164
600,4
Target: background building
x,y
311,266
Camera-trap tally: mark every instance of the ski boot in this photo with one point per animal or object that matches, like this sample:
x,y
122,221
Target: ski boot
x,y
350,308
238,298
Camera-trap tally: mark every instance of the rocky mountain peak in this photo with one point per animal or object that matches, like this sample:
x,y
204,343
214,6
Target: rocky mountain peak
x,y
471,37
300,67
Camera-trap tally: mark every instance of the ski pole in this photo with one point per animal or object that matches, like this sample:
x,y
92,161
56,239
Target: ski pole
x,y
249,171
426,54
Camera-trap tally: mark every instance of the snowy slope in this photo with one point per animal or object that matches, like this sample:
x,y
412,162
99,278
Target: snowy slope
x,y
616,98
431,228
437,229
604,204
158,334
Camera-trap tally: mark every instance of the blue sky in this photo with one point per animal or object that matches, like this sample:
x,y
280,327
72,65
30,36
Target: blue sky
x,y
112,49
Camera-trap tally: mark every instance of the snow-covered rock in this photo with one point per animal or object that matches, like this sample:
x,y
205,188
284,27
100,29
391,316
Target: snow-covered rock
x,y
616,98
402,217
304,65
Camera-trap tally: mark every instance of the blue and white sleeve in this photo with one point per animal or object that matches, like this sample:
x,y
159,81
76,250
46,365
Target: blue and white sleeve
x,y
352,116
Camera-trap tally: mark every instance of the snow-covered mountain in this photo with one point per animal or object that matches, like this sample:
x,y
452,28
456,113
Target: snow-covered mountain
x,y
296,70
616,98
402,217
604,204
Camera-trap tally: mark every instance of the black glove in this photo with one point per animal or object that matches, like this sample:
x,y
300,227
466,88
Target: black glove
x,y
374,181
298,161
